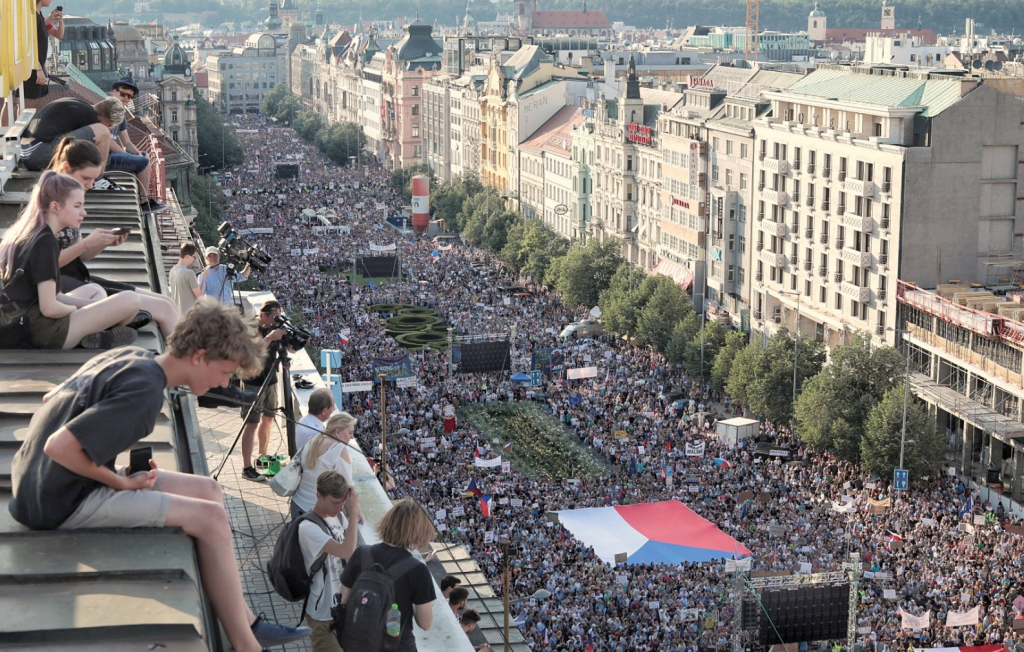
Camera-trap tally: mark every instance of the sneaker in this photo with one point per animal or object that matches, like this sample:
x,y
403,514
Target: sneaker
x,y
111,338
152,206
272,634
104,183
143,319
253,475
262,463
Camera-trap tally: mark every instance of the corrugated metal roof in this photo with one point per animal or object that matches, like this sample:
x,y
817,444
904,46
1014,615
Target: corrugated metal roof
x,y
933,95
94,590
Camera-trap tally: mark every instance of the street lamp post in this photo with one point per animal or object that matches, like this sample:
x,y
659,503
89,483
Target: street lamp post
x,y
703,317
796,341
906,393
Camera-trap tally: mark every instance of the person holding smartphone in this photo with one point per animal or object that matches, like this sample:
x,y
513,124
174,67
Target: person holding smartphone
x,y
64,475
36,86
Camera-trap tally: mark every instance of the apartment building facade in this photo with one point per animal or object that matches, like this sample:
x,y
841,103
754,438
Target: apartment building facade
x,y
907,188
241,77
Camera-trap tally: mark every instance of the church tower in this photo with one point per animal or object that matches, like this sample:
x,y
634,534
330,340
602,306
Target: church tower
x,y
524,14
888,15
816,21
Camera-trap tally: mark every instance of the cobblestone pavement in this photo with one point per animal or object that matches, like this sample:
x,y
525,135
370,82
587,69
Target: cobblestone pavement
x,y
256,513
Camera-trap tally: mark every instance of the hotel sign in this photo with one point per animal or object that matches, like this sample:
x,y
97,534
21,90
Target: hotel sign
x,y
699,82
681,202
639,134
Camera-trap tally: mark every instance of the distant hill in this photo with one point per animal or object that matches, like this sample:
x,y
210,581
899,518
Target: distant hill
x,y
942,16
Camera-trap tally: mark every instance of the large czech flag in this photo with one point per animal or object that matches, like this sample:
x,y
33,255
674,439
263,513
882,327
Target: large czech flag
x,y
667,532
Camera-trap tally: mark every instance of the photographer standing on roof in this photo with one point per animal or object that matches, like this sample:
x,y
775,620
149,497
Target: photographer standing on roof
x,y
259,421
218,281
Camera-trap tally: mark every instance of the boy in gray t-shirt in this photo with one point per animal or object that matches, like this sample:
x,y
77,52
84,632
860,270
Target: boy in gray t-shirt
x,y
182,280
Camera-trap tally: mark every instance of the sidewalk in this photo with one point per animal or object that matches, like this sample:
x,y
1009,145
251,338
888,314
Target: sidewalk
x,y
256,515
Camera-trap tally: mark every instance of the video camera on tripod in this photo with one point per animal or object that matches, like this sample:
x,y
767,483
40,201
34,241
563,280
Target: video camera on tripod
x,y
238,253
294,338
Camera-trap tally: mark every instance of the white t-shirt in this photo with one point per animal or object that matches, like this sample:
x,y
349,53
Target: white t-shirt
x,y
312,539
307,428
305,494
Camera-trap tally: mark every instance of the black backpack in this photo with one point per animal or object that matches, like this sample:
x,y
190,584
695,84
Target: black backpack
x,y
364,617
287,569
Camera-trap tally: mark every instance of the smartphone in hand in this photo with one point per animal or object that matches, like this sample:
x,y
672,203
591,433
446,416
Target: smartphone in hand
x,y
139,460
122,231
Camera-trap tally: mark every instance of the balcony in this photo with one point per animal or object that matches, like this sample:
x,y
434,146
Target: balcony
x,y
809,232
810,168
776,166
859,188
826,205
823,238
837,277
796,166
777,229
793,261
777,197
823,272
883,260
842,175
855,292
826,173
841,209
796,197
854,257
758,276
879,330
884,223
757,315
887,187
858,223
840,243
807,265
881,294
810,201
772,259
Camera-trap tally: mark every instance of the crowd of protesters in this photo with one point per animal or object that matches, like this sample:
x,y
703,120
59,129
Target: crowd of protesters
x,y
918,556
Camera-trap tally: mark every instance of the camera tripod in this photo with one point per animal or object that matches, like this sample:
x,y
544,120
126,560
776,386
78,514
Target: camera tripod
x,y
281,360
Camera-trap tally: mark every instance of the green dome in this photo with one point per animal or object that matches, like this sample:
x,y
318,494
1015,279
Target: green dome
x,y
817,13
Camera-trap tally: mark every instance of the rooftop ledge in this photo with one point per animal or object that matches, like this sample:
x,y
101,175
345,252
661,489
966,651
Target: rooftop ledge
x,y
445,635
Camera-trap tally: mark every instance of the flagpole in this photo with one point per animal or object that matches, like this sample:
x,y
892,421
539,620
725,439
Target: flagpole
x,y
506,548
383,432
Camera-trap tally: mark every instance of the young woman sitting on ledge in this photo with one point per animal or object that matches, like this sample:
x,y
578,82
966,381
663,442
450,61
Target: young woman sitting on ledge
x,y
81,160
30,273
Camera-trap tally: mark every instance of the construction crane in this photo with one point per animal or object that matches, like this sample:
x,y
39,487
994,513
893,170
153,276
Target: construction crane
x,y
753,40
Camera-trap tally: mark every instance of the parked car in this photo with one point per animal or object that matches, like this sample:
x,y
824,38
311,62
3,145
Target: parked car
x,y
585,328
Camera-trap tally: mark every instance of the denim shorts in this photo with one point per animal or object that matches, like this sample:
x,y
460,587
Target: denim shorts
x,y
127,162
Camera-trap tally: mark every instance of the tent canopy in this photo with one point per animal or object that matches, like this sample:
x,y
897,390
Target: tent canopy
x,y
666,532
521,377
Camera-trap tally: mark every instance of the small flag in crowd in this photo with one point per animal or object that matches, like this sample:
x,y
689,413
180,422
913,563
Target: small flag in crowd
x,y
968,507
370,284
508,446
723,462
893,535
344,334
520,620
473,489
485,505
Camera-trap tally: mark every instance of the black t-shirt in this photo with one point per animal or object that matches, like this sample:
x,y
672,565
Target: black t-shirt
x,y
42,40
256,382
110,403
41,262
415,587
60,117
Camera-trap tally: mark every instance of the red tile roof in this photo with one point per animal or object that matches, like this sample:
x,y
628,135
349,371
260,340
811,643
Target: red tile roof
x,y
570,20
860,34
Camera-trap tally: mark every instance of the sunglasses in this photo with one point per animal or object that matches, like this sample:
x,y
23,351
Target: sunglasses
x,y
127,94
